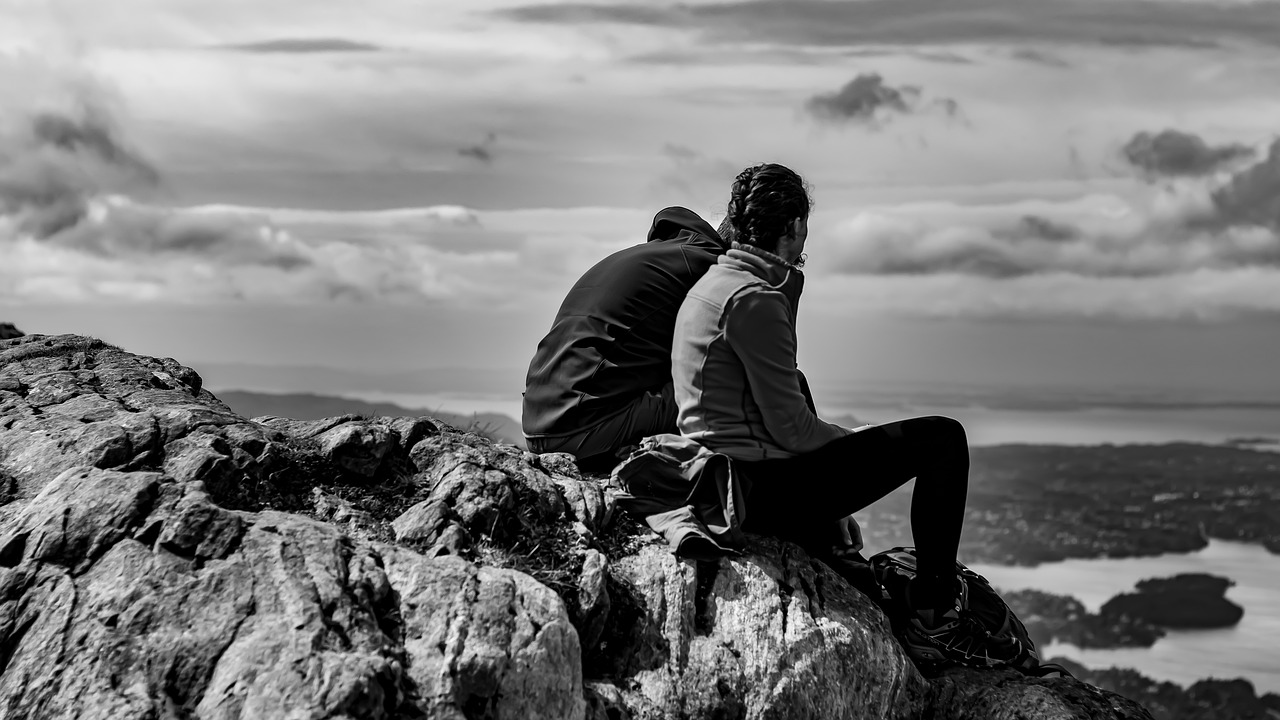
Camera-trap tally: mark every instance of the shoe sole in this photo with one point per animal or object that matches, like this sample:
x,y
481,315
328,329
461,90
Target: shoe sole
x,y
922,651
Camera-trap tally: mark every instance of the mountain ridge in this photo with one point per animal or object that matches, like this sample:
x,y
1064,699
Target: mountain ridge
x,y
314,406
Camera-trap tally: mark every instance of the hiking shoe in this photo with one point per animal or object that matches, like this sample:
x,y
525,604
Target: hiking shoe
x,y
956,636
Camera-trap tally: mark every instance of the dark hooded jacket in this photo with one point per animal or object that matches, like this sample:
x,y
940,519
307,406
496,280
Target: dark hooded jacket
x,y
611,340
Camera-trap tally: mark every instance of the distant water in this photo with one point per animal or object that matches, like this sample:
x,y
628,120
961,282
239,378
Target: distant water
x,y
1095,426
1250,650
459,403
985,426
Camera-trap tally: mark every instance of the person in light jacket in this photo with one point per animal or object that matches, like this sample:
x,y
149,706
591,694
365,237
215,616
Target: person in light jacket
x,y
739,393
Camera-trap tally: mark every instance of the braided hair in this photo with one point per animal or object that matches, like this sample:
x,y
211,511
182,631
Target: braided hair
x,y
764,201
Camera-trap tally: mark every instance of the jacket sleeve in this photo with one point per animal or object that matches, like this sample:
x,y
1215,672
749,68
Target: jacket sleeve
x,y
759,329
808,394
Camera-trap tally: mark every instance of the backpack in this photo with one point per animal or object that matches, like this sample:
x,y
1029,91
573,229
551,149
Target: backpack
x,y
893,569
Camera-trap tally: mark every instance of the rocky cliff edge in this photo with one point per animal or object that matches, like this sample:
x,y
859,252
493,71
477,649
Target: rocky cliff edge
x,y
162,557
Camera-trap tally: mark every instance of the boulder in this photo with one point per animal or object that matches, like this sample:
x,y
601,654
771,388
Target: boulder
x,y
163,557
493,642
770,634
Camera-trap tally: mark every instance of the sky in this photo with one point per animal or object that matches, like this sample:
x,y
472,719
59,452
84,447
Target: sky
x,y
1016,194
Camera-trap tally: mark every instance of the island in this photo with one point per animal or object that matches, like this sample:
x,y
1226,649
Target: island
x,y
1185,601
1220,699
1134,619
1261,442
1050,617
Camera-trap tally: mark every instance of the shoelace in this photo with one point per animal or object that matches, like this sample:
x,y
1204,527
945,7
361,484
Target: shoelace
x,y
971,623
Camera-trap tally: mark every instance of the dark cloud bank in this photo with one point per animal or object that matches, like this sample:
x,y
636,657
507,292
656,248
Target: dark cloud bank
x,y
481,151
1252,197
1232,224
1126,23
303,45
1174,153
54,174
51,171
867,99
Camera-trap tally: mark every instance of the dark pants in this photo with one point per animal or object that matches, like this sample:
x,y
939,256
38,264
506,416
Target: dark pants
x,y
800,498
596,447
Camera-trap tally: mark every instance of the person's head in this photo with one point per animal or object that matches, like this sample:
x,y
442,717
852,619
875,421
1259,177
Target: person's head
x,y
769,209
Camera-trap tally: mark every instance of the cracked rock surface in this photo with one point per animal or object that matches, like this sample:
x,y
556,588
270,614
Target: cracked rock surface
x,y
162,557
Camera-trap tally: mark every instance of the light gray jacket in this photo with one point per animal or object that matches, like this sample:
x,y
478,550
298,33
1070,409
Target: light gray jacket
x,y
733,362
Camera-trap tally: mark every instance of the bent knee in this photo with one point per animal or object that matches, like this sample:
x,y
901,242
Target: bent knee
x,y
941,429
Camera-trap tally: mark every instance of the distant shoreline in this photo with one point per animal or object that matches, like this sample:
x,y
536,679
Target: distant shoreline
x,y
1137,555
1094,582
1209,425
313,406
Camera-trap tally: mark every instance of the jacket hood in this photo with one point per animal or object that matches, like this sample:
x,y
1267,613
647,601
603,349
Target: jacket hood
x,y
670,223
785,279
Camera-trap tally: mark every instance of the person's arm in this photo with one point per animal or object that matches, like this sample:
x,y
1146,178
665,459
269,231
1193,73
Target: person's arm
x,y
759,330
808,394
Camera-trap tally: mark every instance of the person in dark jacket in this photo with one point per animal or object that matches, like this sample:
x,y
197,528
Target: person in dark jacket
x,y
601,378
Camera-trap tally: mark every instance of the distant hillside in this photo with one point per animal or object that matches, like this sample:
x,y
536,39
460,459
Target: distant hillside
x,y
1030,504
307,406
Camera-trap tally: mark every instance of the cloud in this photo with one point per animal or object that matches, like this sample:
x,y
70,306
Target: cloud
x,y
118,229
1035,260
574,13
861,98
59,162
76,226
948,106
755,53
1192,224
691,174
1042,228
303,45
63,176
68,230
1173,153
1252,196
867,99
1175,229
124,251
1125,23
1199,295
482,150
880,245
444,255
946,58
1039,57
92,135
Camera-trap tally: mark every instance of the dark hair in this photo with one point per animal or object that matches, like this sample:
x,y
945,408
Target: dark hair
x,y
764,201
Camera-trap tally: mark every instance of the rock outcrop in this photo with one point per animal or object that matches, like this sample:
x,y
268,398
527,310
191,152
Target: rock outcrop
x,y
162,557
9,332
